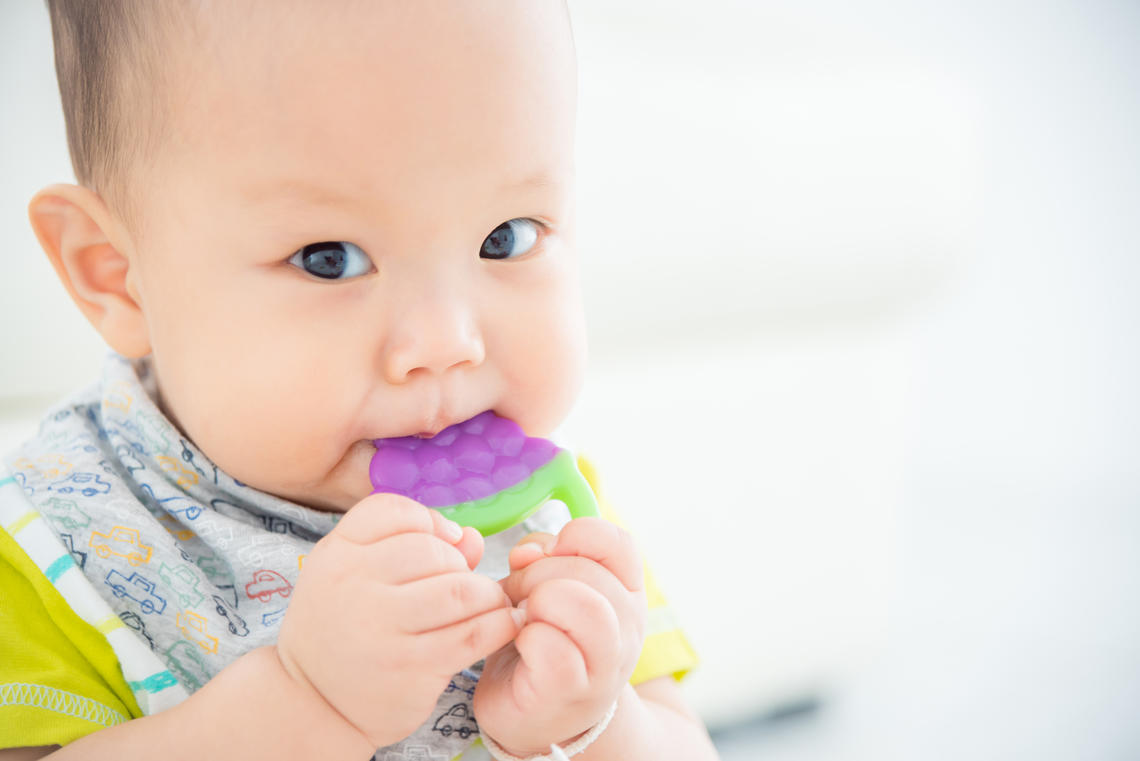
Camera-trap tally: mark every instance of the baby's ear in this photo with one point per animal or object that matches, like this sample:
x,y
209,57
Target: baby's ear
x,y
85,246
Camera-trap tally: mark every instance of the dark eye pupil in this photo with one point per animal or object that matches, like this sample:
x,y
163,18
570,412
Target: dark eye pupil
x,y
324,259
500,242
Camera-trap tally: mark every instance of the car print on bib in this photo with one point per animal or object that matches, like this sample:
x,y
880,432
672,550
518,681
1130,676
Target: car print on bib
x,y
186,662
87,484
66,514
183,582
458,719
235,622
134,622
267,583
273,617
137,588
123,542
414,753
193,627
452,687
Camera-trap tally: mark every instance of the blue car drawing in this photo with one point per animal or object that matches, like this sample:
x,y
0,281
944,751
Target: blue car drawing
x,y
136,588
168,503
89,484
272,617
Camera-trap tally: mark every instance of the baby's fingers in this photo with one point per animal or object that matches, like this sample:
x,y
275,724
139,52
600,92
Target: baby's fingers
x,y
530,548
549,664
471,545
448,599
457,646
379,516
606,544
586,620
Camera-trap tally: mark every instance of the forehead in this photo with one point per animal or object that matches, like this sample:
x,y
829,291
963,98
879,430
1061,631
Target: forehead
x,y
378,99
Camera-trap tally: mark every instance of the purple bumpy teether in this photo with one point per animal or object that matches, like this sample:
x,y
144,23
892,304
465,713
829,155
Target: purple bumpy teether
x,y
484,472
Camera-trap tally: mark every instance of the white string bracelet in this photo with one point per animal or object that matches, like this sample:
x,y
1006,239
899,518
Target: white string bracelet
x,y
556,753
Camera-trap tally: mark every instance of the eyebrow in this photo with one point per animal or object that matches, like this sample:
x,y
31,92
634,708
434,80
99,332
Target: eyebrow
x,y
534,182
320,196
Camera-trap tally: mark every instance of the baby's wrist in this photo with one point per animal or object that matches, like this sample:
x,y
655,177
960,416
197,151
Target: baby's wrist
x,y
554,751
510,752
318,711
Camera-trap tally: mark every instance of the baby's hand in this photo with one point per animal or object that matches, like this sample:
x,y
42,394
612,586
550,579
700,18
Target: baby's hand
x,y
386,609
586,610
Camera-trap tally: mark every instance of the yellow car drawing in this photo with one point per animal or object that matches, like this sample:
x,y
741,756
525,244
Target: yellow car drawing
x,y
187,621
127,542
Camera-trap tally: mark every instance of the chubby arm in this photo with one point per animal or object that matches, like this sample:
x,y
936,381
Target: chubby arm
x,y
216,722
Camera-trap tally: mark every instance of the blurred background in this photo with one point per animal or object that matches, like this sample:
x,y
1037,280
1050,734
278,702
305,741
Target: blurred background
x,y
862,284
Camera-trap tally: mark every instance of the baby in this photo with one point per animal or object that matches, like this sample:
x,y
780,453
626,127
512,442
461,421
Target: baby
x,y
301,227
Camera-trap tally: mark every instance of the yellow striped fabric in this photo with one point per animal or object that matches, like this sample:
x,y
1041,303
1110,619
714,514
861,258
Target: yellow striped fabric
x,y
666,650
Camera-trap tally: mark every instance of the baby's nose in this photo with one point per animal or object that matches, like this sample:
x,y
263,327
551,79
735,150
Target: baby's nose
x,y
432,335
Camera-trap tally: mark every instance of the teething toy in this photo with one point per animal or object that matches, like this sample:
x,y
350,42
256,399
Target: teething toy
x,y
484,473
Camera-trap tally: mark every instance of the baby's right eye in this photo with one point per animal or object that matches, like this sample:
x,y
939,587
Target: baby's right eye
x,y
332,260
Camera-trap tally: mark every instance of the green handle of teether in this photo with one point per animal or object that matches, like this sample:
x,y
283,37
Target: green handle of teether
x,y
558,479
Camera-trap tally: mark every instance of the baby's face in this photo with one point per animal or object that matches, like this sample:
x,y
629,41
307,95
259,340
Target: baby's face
x,y
364,229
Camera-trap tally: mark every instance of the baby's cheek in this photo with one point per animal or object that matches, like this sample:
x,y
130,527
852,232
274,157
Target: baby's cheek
x,y
547,367
259,431
570,353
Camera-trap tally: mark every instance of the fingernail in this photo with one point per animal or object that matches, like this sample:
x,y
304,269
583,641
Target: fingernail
x,y
452,530
519,614
532,547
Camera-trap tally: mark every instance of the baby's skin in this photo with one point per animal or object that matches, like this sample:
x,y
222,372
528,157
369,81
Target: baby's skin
x,y
575,641
359,224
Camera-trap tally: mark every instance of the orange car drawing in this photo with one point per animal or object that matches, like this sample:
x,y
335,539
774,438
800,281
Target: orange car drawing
x,y
193,624
176,529
186,477
127,542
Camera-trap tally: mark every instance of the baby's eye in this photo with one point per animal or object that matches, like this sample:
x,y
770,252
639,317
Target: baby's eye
x,y
332,260
511,239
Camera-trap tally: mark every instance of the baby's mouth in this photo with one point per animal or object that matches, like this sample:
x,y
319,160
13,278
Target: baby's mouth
x,y
431,432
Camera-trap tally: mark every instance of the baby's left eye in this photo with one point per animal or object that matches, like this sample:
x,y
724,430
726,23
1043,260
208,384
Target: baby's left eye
x,y
512,234
332,260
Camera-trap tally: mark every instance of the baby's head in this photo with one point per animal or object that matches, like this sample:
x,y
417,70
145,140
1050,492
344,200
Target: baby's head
x,y
328,222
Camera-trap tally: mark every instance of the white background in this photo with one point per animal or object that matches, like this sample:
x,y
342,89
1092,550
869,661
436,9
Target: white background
x,y
862,285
